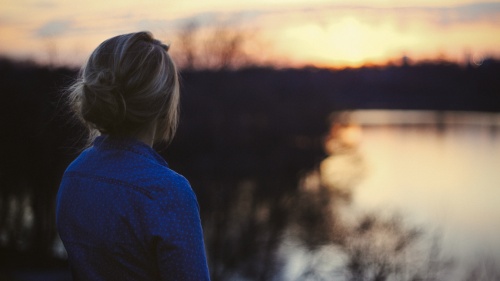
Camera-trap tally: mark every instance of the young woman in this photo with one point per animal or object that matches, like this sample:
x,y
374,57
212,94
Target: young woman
x,y
122,214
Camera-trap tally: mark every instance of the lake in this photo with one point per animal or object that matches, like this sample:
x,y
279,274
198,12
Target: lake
x,y
439,171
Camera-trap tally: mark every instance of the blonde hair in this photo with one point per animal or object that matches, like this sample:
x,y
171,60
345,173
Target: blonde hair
x,y
128,83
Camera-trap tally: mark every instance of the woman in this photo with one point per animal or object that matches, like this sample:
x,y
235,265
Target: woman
x,y
122,214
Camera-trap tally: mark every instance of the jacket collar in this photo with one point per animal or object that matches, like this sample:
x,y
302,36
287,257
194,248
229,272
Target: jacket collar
x,y
129,144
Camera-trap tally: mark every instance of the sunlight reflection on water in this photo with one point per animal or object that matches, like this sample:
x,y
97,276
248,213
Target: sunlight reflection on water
x,y
436,172
441,169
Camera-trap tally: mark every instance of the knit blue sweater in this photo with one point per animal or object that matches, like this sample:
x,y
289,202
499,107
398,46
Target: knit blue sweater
x,y
122,214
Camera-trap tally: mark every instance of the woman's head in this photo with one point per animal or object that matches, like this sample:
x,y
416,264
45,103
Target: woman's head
x,y
129,85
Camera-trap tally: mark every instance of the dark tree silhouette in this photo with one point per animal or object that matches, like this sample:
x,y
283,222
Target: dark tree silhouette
x,y
214,47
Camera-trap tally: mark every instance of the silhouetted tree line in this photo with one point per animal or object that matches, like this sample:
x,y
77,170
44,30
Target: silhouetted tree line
x,y
36,145
246,138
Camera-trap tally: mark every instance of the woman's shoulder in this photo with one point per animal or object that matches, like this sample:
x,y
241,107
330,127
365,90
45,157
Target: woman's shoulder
x,y
173,183
159,179
127,168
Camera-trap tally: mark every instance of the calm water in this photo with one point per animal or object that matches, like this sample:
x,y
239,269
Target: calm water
x,y
441,171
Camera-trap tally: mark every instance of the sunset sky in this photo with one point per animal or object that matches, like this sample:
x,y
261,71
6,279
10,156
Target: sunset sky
x,y
326,33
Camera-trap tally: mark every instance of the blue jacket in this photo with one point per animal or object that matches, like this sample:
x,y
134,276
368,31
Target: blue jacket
x,y
122,214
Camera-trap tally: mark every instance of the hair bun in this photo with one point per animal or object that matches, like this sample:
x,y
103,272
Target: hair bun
x,y
103,103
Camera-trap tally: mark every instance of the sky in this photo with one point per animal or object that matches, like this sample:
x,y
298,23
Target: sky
x,y
323,33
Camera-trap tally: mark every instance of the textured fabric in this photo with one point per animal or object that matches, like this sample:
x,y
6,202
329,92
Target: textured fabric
x,y
122,214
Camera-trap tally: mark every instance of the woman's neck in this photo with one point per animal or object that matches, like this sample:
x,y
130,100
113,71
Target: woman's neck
x,y
148,136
